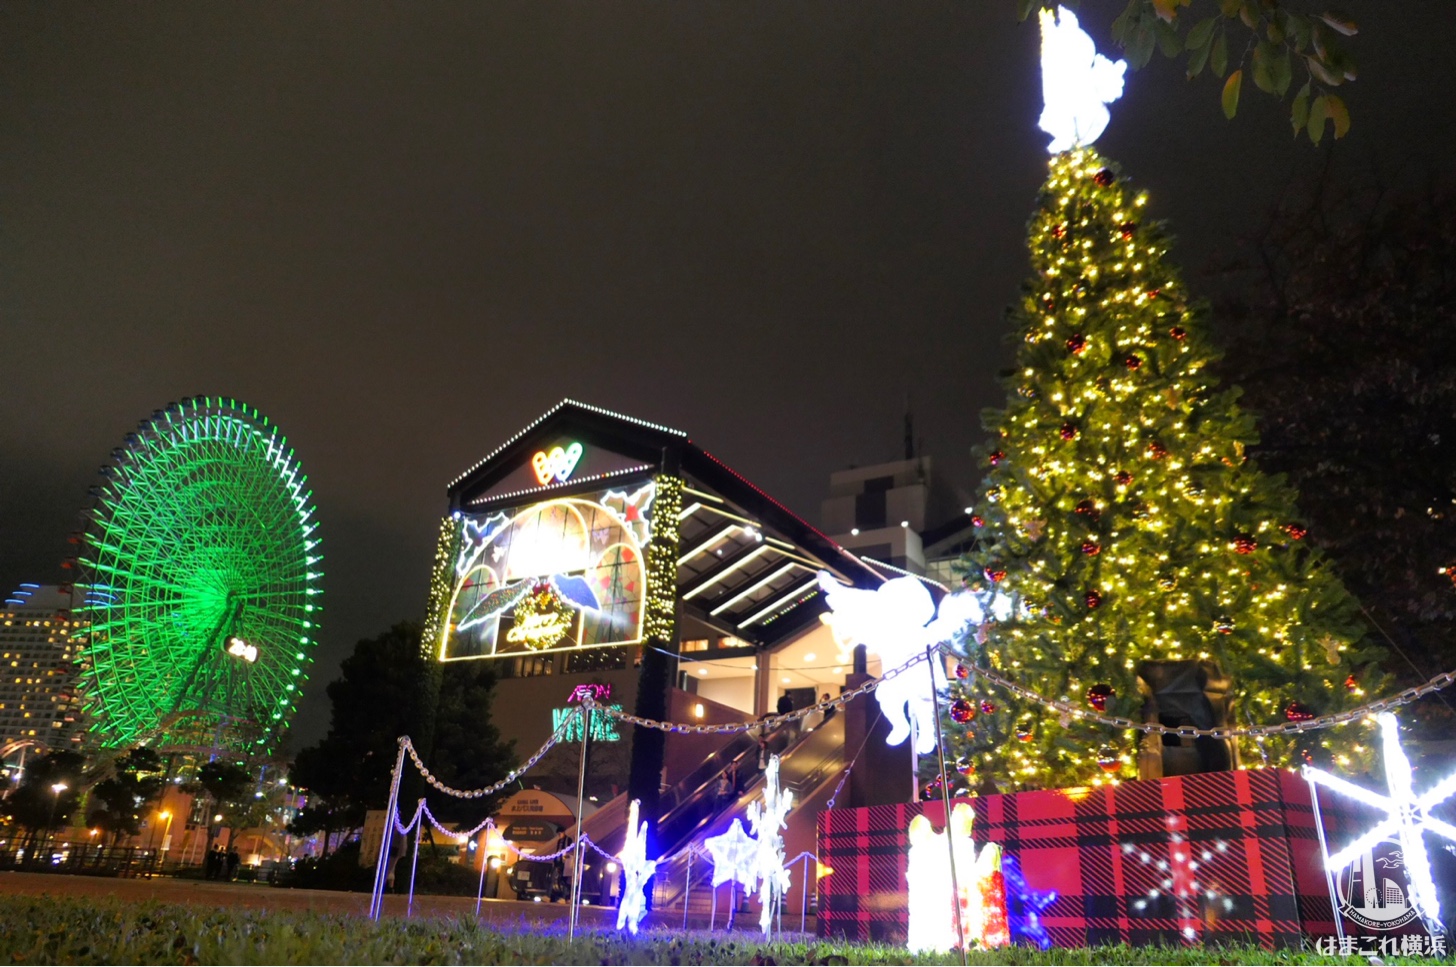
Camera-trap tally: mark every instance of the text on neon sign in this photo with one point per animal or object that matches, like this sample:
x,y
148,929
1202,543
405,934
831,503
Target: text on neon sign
x,y
556,463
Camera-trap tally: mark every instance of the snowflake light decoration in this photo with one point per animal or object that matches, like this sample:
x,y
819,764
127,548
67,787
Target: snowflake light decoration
x,y
768,821
1407,817
637,869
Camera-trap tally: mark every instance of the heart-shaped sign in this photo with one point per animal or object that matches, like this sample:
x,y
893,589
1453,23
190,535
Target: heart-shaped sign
x,y
556,463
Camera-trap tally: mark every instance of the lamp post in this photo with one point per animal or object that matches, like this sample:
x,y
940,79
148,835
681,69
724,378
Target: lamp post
x,y
56,790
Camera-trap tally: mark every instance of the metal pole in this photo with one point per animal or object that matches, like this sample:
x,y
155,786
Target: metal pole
x,y
391,810
688,888
1319,825
409,909
955,885
576,862
480,890
713,916
804,897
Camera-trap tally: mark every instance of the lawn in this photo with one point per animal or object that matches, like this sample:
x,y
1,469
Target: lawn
x,y
72,930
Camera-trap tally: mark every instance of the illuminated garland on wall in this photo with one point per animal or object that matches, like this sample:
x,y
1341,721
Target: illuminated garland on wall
x,y
437,614
660,605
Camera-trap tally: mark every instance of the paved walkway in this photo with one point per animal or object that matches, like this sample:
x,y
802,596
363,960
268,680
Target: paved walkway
x,y
208,893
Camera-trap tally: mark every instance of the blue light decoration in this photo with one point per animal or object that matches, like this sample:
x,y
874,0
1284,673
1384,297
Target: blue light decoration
x,y
1024,906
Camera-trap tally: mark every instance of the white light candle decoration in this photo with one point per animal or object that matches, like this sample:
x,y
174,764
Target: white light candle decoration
x,y
1407,816
637,869
1077,83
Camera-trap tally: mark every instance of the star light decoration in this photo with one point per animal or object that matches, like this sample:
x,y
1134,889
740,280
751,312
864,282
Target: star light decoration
x,y
897,621
1407,817
757,861
637,869
1076,82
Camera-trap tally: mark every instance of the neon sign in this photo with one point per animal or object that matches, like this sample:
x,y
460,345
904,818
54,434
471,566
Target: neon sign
x,y
603,727
598,692
556,463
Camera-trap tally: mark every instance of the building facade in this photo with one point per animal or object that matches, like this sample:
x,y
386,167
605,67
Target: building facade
x,y
38,706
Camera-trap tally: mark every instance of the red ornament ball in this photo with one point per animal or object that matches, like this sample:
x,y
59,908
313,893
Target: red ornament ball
x,y
1108,759
1076,343
1059,231
1156,450
995,574
966,768
1127,228
977,520
1245,544
1122,478
1091,548
1088,509
1093,598
1350,683
988,706
962,711
1178,333
1099,695
962,672
1295,531
995,457
1298,712
1104,178
1069,431
1023,733
1223,625
1133,362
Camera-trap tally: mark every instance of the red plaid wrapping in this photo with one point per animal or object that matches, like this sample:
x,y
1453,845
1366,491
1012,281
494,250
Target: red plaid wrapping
x,y
1240,848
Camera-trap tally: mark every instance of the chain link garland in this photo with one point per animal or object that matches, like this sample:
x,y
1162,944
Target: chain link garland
x,y
515,774
1434,684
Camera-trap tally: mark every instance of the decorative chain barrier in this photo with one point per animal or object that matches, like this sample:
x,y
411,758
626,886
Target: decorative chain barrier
x,y
494,788
1434,684
769,722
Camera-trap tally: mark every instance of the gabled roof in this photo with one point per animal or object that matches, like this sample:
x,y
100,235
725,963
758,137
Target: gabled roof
x,y
747,564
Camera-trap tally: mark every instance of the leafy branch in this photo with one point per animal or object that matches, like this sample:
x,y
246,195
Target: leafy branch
x,y
1267,40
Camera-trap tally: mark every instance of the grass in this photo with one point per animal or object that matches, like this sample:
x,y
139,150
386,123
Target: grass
x,y
69,930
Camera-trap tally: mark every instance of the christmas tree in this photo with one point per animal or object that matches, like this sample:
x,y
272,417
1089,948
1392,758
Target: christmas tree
x,y
1122,518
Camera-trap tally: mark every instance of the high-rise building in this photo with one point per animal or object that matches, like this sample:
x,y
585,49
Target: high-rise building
x,y
38,670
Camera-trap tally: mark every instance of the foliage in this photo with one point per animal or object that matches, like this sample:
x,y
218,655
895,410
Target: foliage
x,y
49,930
339,870
1120,511
35,804
467,752
1344,333
117,802
380,697
1271,39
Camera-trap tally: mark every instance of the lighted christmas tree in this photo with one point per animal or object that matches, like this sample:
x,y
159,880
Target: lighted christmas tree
x,y
1121,516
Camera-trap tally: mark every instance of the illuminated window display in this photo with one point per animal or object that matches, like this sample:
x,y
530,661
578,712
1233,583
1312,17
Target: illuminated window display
x,y
561,574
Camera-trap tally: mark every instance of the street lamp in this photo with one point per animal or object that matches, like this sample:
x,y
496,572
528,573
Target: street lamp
x,y
56,790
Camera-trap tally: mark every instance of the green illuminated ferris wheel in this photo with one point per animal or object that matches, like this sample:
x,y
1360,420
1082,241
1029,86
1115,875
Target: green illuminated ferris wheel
x,y
198,575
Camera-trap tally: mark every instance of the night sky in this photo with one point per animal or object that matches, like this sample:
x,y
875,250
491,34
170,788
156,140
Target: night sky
x,y
404,230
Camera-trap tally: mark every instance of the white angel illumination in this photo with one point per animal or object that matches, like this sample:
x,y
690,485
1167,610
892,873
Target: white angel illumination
x,y
768,821
1077,83
898,621
637,869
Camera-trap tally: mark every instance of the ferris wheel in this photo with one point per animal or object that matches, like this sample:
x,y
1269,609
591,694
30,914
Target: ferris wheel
x,y
198,583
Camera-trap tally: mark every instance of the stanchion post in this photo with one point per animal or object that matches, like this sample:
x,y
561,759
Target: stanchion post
x,y
804,897
585,711
386,841
484,859
930,659
687,888
409,909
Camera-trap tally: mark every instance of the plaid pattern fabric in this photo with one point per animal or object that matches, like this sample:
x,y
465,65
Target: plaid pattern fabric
x,y
1227,856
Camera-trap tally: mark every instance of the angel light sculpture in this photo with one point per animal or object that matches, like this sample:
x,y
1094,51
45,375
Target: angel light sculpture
x,y
898,621
1077,83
